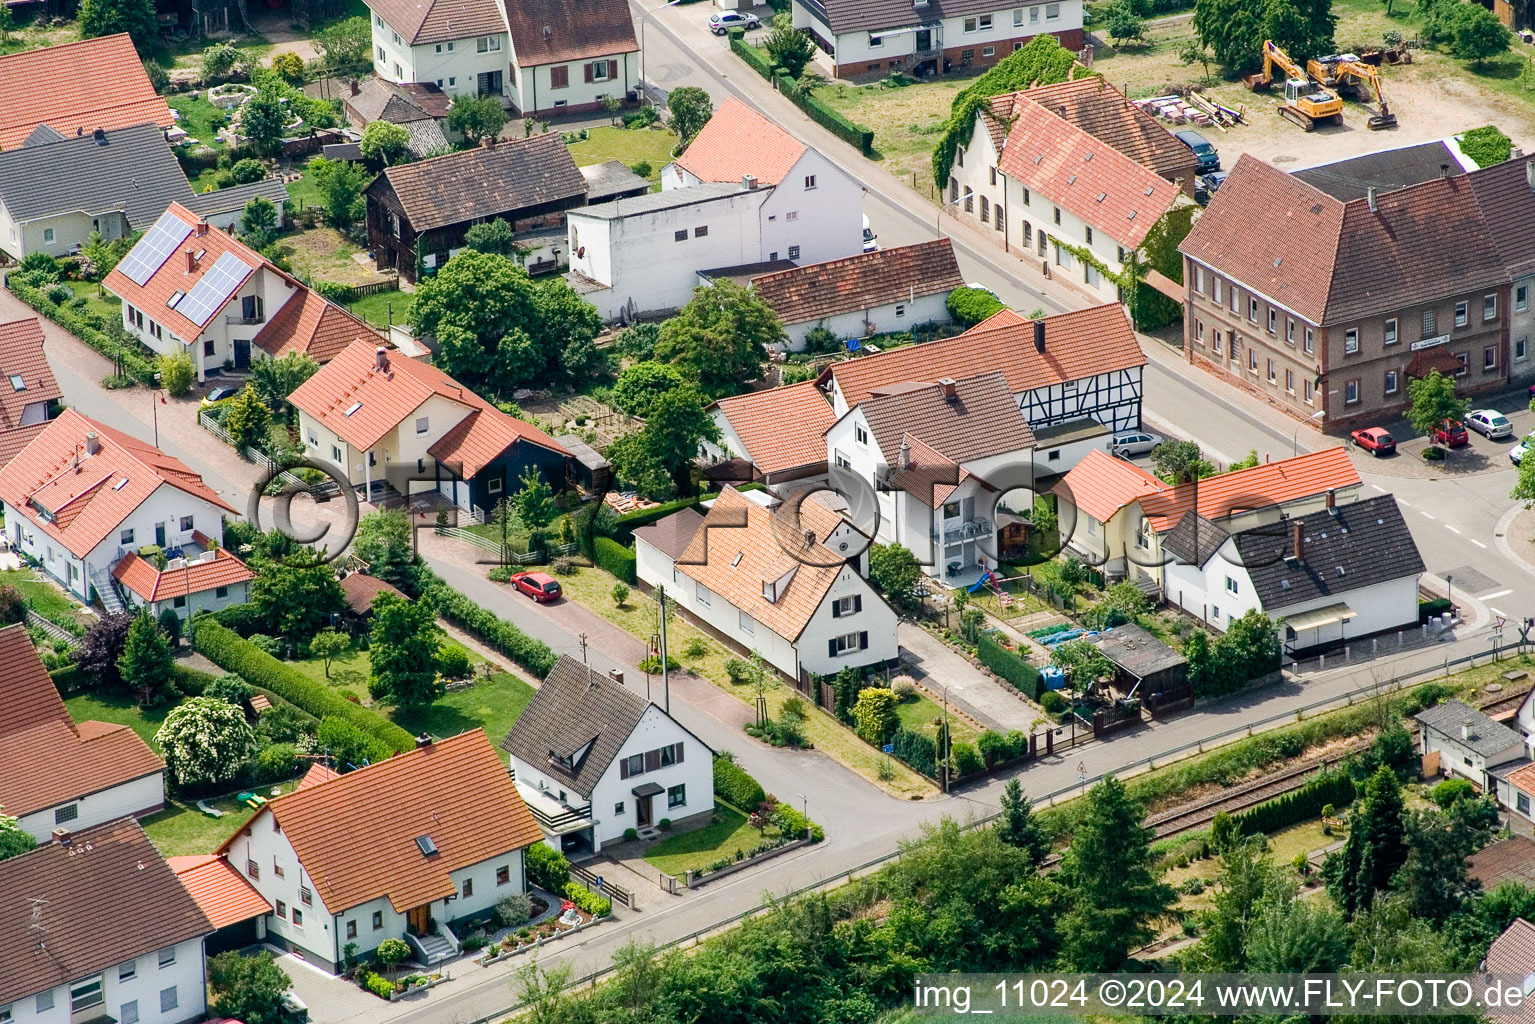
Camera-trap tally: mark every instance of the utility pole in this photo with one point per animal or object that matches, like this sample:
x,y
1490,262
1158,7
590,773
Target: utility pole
x,y
666,688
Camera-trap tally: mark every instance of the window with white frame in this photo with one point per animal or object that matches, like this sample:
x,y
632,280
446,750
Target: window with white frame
x,y
701,595
85,994
1462,314
1252,310
1215,282
128,971
1463,359
1273,321
1309,340
1522,298
1231,585
1490,357
747,624
1390,335
423,424
1017,16
847,643
487,44
1521,348
1052,11
1289,380
1350,392
860,434
1351,341
1391,382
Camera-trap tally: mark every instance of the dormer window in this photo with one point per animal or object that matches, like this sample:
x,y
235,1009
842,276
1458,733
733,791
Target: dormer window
x,y
426,846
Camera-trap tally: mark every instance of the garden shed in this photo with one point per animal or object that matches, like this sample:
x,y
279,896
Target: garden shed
x,y
590,471
1144,665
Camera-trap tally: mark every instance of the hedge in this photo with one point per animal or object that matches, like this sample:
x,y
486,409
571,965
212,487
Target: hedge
x,y
614,558
529,652
753,56
918,751
1334,787
69,679
230,652
823,115
734,786
1023,676
132,356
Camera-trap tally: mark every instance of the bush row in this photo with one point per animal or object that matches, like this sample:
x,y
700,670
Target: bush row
x,y
593,904
918,751
1008,665
232,653
755,58
613,557
733,785
1334,787
823,115
529,652
131,356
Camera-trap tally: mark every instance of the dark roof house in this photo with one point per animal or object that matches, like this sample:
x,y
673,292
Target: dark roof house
x,y
1386,170
556,31
672,535
1470,728
612,180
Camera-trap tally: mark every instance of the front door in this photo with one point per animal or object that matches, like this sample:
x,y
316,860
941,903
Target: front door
x,y
242,354
642,810
160,535
418,919
489,83
924,40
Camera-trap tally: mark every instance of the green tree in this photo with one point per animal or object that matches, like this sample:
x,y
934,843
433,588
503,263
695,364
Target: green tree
x,y
8,24
1246,882
273,380
1122,22
720,337
145,664
328,644
296,596
896,573
206,741
13,841
108,17
790,48
689,109
534,500
392,952
247,171
1196,52
1178,462
1389,939
258,224
1433,400
874,715
1017,825
1476,34
678,424
403,648
289,66
247,418
1301,28
1082,663
493,236
383,540
1524,483
177,372
340,184
635,465
347,746
640,384
385,141
248,988
263,121
1295,936
345,43
476,118
1434,877
1375,849
1110,893
1232,30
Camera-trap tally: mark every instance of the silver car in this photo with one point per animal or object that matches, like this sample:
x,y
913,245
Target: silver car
x,y
1490,423
723,21
1138,442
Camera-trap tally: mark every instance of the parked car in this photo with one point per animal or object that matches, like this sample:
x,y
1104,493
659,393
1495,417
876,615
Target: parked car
x,y
540,586
1490,423
870,239
1207,159
1375,439
721,22
1450,433
1206,185
1517,453
218,395
1134,443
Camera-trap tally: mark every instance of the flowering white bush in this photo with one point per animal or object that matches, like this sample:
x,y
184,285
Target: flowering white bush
x,y
206,741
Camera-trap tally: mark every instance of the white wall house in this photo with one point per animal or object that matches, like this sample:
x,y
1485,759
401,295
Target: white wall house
x,y
1470,745
122,933
206,582
455,851
594,759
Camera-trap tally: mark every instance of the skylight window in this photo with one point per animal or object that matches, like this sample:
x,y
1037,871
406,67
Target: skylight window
x,y
120,484
737,559
426,845
17,382
176,296
352,408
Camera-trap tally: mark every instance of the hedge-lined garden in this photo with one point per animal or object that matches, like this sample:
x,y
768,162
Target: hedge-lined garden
x,y
818,111
614,558
1009,665
110,339
495,632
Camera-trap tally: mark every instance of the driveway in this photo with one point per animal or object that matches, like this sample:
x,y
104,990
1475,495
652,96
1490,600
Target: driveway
x,y
994,705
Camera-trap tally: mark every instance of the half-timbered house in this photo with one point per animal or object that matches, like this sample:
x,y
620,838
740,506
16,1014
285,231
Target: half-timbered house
x,y
1076,377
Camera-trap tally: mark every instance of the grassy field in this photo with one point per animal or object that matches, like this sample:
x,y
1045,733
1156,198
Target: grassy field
x,y
119,710
181,830
690,851
630,147
47,599
383,308
906,120
100,302
593,588
303,193
922,715
197,117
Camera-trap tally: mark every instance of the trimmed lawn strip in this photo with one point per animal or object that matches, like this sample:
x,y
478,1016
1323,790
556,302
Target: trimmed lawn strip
x,y
47,599
384,308
119,709
690,851
920,715
102,303
629,147
593,588
181,830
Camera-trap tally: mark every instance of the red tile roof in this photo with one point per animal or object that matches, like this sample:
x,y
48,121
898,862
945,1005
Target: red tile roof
x,y
21,355
310,323
780,428
1274,483
385,397
151,584
1078,345
857,283
1084,175
1101,485
359,590
86,503
1105,113
172,275
45,758
738,141
437,21
95,83
456,791
316,775
221,892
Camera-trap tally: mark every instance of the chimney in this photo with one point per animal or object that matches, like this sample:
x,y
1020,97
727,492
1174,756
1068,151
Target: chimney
x,y
381,358
809,538
1465,729
423,740
948,388
1444,170
191,262
903,456
202,227
356,87
1332,500
1297,540
617,675
62,837
489,142
1370,197
749,182
1039,336
100,137
92,442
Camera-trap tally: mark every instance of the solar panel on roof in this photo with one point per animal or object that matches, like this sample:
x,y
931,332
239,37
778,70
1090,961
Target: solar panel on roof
x,y
217,285
154,248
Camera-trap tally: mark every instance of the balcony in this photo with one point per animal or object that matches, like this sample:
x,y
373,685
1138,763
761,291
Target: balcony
x,y
236,320
553,815
978,528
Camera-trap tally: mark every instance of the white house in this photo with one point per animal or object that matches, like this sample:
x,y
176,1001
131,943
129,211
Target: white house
x,y
938,457
398,849
778,432
393,424
123,939
59,773
785,583
1470,745
1346,571
81,496
884,291
1075,376
930,36
593,760
540,57
814,212
212,579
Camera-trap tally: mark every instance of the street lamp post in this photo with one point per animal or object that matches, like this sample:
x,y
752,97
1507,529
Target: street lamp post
x,y
944,749
804,806
938,221
643,19
1295,437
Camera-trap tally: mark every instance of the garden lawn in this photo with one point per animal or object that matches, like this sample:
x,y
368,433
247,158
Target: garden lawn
x,y
181,830
46,599
119,710
691,851
593,588
303,193
383,308
907,120
920,714
628,146
197,117
103,304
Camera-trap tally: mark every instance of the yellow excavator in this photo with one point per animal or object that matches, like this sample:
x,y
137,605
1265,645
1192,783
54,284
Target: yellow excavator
x,y
1305,102
1348,73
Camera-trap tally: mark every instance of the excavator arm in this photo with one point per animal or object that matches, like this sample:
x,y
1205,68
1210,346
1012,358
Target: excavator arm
x,y
1384,118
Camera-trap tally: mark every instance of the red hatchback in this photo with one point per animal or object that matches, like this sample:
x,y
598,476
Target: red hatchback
x,y
540,586
1451,434
1375,439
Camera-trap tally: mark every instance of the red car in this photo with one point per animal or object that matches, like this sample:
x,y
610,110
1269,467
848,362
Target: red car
x,y
1375,439
1450,433
540,586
